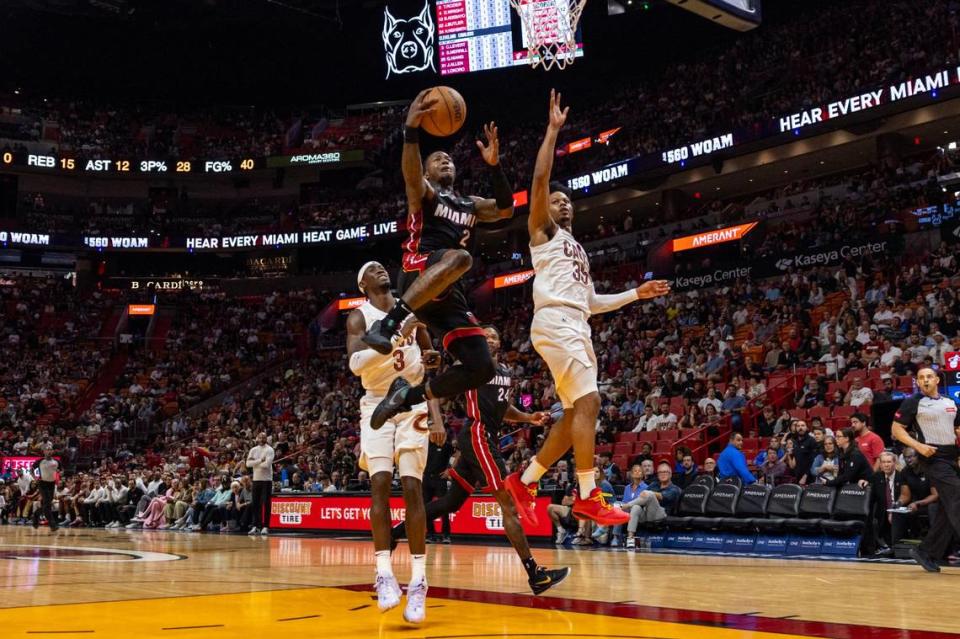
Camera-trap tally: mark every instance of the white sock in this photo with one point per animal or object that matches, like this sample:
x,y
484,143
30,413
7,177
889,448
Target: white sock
x,y
587,482
418,564
534,472
384,567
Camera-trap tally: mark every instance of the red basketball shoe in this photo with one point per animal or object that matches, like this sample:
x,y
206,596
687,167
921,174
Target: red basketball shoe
x,y
524,496
596,508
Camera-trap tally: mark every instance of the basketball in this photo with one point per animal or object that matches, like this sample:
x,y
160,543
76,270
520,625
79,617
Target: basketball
x,y
448,114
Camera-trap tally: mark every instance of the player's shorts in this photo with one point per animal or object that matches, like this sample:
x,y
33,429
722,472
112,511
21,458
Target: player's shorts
x,y
480,464
561,335
403,434
447,316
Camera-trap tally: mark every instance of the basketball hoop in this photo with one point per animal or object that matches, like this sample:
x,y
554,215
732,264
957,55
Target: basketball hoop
x,y
550,30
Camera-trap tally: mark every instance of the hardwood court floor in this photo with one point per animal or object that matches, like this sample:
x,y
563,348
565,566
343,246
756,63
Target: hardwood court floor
x,y
167,584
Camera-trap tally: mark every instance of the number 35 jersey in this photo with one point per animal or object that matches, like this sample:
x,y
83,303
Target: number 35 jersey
x,y
402,361
445,222
562,273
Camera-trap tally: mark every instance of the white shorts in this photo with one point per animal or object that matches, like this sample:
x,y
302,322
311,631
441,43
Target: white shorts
x,y
562,337
405,434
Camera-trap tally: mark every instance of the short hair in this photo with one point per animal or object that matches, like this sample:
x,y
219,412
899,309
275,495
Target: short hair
x,y
562,188
860,417
733,435
887,453
662,464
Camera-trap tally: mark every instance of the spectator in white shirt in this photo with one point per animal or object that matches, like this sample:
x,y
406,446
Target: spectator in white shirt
x,y
711,398
883,315
835,363
646,421
858,394
939,349
890,354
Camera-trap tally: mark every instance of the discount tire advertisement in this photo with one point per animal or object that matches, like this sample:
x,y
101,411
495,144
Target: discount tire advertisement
x,y
479,516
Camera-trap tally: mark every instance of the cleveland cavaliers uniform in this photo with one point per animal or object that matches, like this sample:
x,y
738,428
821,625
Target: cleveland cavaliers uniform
x,y
443,223
480,464
406,431
560,331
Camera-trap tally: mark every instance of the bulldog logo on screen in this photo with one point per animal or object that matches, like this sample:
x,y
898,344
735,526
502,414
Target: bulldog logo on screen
x,y
408,43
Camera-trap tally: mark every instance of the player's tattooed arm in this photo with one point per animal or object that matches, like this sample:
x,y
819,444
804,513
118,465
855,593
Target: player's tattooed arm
x,y
540,225
412,165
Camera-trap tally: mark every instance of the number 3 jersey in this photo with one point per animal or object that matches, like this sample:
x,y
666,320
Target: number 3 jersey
x,y
445,222
562,273
402,361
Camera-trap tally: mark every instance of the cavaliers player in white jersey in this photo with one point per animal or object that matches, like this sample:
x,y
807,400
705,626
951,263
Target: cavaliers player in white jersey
x,y
402,438
564,299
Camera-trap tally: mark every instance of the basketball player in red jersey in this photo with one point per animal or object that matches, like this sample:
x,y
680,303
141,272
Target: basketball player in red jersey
x,y
564,299
435,256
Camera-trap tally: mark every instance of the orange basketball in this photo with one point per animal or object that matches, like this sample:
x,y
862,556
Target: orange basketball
x,y
448,114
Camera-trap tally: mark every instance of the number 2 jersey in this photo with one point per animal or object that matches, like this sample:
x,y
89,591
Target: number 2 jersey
x,y
445,222
403,361
562,273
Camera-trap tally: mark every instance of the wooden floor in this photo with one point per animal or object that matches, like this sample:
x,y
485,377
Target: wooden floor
x,y
168,584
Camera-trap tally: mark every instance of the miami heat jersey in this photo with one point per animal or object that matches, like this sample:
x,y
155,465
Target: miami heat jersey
x,y
493,399
445,222
562,273
404,360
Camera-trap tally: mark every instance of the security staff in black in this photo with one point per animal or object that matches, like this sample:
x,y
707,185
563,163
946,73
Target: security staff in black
x,y
435,486
441,226
481,466
929,423
48,467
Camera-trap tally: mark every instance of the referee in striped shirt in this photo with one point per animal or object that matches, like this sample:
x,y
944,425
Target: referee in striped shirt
x,y
935,422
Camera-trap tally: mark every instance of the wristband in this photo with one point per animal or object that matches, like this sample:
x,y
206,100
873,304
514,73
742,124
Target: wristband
x,y
502,192
411,134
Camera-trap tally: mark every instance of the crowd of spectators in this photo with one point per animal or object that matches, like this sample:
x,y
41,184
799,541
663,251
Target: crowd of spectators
x,y
742,86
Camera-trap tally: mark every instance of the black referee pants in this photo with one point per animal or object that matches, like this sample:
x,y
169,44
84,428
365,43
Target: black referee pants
x,y
260,503
46,503
942,472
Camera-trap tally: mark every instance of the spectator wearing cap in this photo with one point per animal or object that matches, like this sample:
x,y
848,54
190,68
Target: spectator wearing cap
x,y
939,349
858,393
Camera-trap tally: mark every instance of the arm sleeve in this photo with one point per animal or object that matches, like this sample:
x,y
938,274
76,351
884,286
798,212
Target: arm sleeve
x,y
250,460
606,303
360,360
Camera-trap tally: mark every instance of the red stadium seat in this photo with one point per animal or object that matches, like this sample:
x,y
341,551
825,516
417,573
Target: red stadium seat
x,y
875,373
670,435
622,461
663,446
819,411
648,436
845,411
855,374
604,448
751,442
842,386
623,448
627,437
798,413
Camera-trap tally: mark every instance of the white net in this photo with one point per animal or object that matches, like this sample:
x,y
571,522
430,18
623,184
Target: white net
x,y
549,30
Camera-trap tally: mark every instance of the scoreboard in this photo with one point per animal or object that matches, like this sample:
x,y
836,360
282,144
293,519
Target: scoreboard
x,y
470,35
67,163
474,35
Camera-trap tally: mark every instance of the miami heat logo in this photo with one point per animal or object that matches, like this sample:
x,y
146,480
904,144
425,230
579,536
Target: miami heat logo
x,y
408,43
